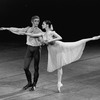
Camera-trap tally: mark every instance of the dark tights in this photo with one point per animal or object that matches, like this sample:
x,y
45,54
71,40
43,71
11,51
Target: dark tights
x,y
32,52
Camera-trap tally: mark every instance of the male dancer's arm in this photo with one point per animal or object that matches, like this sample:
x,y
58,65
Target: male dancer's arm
x,y
18,31
34,35
30,33
39,35
22,31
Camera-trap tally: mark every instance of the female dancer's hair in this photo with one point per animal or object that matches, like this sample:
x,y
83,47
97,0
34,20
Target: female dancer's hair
x,y
48,22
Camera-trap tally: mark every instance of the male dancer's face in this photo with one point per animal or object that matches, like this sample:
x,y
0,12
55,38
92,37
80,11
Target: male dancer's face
x,y
35,22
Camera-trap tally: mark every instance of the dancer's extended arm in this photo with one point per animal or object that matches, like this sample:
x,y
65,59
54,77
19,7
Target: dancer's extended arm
x,y
34,35
18,31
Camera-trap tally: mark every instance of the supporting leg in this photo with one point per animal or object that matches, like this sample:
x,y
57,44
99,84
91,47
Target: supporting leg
x,y
60,73
36,69
27,61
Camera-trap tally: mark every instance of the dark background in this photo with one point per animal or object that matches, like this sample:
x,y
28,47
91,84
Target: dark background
x,y
72,19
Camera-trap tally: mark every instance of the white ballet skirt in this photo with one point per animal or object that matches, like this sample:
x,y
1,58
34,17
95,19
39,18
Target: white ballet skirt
x,y
63,53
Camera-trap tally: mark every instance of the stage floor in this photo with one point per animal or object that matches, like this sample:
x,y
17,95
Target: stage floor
x,y
81,79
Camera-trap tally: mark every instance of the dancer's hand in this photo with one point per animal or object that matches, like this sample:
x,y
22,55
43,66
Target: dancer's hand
x,y
96,37
2,28
46,41
51,43
99,37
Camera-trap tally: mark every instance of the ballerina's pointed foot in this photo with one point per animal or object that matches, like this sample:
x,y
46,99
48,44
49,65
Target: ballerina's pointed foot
x,y
96,37
59,85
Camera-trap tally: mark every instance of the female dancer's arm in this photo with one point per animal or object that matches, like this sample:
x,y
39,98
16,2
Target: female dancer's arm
x,y
55,37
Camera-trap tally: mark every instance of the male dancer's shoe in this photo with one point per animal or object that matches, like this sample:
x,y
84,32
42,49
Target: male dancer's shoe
x,y
35,79
27,86
29,79
32,87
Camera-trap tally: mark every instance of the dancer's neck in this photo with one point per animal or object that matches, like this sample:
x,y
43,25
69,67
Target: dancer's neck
x,y
48,29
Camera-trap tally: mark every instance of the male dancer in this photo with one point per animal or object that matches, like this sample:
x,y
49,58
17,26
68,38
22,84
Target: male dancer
x,y
33,50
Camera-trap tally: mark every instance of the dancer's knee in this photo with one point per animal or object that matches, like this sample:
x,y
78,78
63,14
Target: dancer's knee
x,y
26,68
36,69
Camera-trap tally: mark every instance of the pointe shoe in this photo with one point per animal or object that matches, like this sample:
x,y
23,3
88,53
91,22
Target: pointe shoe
x,y
59,85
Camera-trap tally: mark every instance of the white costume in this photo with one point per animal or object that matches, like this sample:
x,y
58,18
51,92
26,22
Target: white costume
x,y
63,53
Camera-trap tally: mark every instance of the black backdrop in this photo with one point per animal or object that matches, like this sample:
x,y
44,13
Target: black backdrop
x,y
72,19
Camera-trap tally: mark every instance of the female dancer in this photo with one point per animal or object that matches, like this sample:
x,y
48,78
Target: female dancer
x,y
61,53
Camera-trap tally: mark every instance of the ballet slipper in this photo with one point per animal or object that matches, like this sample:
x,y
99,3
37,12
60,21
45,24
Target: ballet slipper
x,y
59,85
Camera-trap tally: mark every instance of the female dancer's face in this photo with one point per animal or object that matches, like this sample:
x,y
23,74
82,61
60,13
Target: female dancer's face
x,y
44,25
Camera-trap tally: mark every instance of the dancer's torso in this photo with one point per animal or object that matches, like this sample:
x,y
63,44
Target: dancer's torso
x,y
34,41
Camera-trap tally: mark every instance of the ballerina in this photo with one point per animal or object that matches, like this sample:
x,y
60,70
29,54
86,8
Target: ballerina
x,y
61,53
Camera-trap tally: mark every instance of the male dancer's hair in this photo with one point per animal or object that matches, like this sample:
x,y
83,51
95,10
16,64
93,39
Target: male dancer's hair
x,y
35,17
